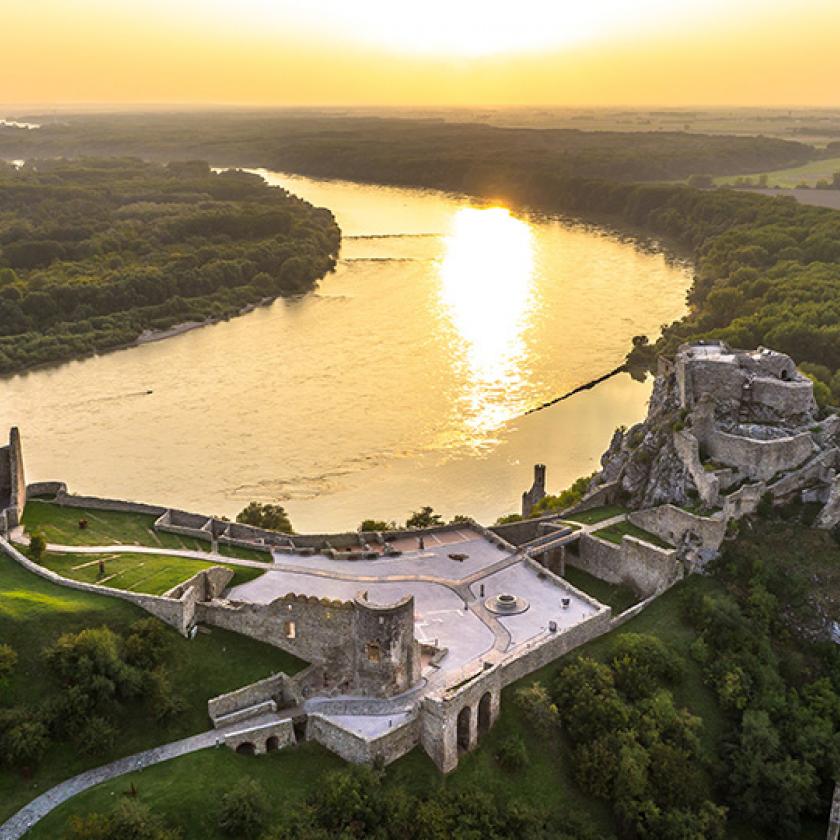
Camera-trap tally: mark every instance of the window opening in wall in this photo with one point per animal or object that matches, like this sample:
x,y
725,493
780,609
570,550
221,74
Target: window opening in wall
x,y
374,653
289,629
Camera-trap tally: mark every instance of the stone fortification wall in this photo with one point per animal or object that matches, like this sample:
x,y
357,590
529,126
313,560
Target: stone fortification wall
x,y
743,501
12,481
40,489
176,613
645,567
271,688
96,503
707,483
819,470
760,459
774,399
304,626
352,747
632,612
208,583
673,524
185,525
606,494
551,646
264,738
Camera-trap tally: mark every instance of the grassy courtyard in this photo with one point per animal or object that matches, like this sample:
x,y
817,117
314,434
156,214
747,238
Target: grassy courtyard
x,y
613,595
596,515
34,612
615,534
153,574
60,525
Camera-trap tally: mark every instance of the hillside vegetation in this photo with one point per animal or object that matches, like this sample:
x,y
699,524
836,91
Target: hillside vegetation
x,y
94,252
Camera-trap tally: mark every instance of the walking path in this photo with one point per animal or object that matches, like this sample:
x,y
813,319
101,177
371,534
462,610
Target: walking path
x,y
17,825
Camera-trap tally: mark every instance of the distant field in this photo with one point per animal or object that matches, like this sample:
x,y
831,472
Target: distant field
x,y
153,574
808,173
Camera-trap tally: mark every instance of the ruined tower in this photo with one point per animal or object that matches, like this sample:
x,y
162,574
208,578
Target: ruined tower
x,y
537,491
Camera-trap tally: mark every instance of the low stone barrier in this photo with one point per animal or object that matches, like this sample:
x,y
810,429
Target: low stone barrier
x,y
96,503
270,688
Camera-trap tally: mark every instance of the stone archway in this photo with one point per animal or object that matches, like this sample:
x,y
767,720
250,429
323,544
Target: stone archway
x,y
484,713
463,728
272,744
246,748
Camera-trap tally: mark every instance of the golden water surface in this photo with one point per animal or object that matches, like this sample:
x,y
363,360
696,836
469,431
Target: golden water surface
x,y
401,381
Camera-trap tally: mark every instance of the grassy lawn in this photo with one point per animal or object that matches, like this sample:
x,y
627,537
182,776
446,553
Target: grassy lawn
x,y
592,517
615,533
613,595
808,173
153,574
60,525
34,612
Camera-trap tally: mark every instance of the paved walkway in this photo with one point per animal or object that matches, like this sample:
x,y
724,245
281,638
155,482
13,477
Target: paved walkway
x,y
17,825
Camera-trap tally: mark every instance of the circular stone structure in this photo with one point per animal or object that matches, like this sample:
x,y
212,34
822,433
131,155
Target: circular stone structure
x,y
506,604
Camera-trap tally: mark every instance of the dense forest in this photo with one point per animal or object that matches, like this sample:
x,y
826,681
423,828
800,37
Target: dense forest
x,y
96,251
419,152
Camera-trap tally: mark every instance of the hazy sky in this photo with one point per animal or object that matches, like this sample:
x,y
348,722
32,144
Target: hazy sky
x,y
443,52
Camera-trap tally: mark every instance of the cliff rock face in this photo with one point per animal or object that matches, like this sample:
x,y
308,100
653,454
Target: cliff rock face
x,y
718,420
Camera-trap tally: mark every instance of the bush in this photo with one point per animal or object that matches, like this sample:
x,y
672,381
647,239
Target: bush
x,y
130,820
37,545
147,643
8,660
512,753
97,737
245,810
537,707
640,663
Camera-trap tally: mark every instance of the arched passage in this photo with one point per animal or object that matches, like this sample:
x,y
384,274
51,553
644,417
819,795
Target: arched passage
x,y
246,748
463,728
484,713
272,743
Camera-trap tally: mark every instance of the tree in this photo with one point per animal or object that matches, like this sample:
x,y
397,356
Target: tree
x,y
512,753
245,810
271,517
424,518
377,525
37,545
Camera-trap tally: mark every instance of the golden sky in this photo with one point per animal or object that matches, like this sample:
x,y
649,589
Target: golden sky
x,y
432,52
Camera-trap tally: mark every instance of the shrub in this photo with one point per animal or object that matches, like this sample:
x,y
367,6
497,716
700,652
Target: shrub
x,y
37,545
147,643
640,663
8,660
512,753
245,810
537,707
97,737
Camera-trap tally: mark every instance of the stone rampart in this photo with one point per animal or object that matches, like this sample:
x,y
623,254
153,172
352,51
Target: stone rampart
x,y
644,567
271,688
817,471
674,525
185,525
39,489
760,459
96,503
743,501
352,747
707,483
304,626
208,583
175,613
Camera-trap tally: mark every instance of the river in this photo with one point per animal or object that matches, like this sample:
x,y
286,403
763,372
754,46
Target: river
x,y
400,381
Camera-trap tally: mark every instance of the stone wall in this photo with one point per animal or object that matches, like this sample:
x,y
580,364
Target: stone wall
x,y
673,524
175,613
95,503
265,737
352,747
304,626
707,483
12,481
743,501
271,688
643,566
45,488
185,525
760,459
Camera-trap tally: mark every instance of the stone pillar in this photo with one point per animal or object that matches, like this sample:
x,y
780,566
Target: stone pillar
x,y
473,728
834,818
